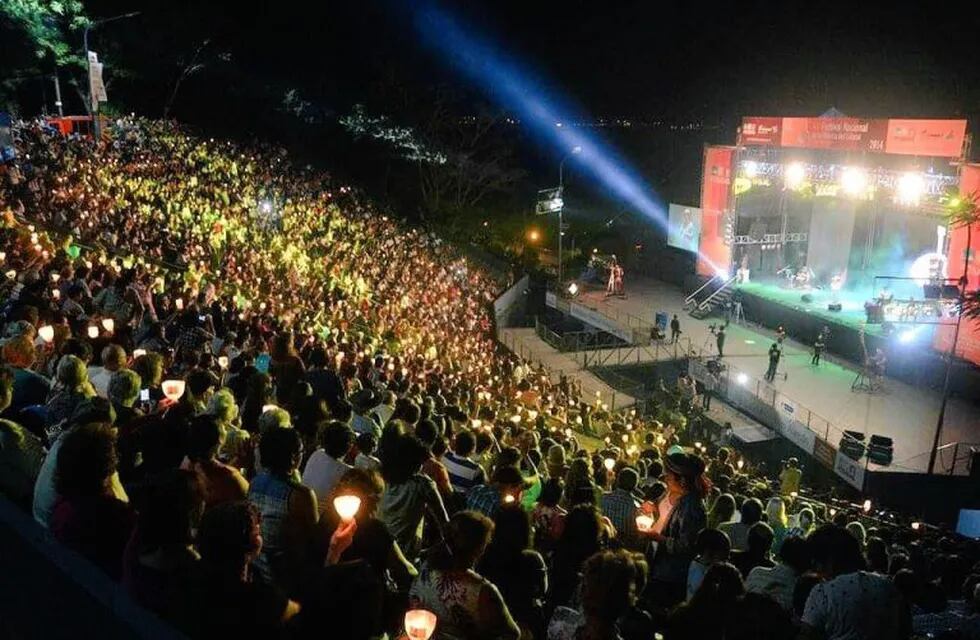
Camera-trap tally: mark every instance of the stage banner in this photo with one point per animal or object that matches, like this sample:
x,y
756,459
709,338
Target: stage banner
x,y
760,131
842,134
851,471
968,344
940,138
790,425
824,452
715,252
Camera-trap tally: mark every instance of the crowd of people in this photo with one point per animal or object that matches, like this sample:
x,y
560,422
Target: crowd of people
x,y
207,350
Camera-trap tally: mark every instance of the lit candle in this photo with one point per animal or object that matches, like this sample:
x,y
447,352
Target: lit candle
x,y
866,506
139,352
509,498
644,522
268,407
46,332
346,507
173,389
93,332
420,624
108,324
223,362
609,464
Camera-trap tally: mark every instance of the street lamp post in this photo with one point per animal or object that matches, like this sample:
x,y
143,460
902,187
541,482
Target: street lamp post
x,y
88,63
561,194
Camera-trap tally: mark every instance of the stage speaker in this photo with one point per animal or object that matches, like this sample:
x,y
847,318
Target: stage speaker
x,y
852,444
807,298
931,291
834,306
951,292
880,450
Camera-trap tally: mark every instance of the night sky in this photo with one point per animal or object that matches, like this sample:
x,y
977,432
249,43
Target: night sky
x,y
682,60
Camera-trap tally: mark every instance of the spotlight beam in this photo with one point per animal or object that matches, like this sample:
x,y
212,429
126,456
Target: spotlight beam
x,y
506,83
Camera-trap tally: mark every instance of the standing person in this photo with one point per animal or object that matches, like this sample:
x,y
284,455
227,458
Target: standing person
x,y
774,355
817,349
789,477
287,508
852,603
720,341
710,384
675,329
680,517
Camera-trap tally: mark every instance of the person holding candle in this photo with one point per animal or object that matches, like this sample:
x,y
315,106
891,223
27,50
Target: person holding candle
x,y
680,516
467,605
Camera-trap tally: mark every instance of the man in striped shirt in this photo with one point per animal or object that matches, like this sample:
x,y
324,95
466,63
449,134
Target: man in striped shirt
x,y
464,474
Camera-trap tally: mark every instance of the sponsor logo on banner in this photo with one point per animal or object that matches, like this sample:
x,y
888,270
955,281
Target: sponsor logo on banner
x,y
760,130
791,428
850,470
943,138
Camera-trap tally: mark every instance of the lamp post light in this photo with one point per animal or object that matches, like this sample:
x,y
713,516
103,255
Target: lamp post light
x,y
561,189
88,63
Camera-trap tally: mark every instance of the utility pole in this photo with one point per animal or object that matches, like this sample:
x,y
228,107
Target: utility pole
x,y
88,66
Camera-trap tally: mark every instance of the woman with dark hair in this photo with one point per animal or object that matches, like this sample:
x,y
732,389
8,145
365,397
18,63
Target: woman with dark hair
x,y
259,392
709,612
581,537
288,510
227,601
680,516
222,482
285,366
372,541
519,571
88,517
410,495
467,605
611,581
160,558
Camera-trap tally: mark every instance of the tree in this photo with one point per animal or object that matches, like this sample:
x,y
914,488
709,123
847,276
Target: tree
x,y
51,26
963,210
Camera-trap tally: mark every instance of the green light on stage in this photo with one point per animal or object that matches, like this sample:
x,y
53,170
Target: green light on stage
x,y
750,342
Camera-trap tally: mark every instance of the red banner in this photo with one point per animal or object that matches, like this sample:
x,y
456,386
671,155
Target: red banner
x,y
943,138
968,344
760,131
844,134
715,253
938,138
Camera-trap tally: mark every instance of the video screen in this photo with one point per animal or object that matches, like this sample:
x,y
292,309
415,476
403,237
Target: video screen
x,y
684,230
969,523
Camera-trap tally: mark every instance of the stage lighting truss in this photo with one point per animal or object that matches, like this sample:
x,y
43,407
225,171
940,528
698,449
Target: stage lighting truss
x,y
771,239
907,188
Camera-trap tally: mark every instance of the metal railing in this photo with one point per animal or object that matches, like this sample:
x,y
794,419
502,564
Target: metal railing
x,y
575,341
655,351
691,298
707,301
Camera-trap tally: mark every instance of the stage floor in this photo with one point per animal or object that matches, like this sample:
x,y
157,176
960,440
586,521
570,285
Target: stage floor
x,y
905,413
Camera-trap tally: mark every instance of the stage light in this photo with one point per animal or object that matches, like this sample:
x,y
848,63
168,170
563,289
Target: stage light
x,y
721,272
572,289
742,378
854,181
907,336
794,175
750,168
909,189
533,235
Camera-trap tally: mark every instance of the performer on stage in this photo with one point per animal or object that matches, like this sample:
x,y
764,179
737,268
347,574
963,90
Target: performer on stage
x,y
817,350
615,285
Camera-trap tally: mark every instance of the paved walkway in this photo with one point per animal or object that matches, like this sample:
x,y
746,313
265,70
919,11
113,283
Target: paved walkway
x,y
905,413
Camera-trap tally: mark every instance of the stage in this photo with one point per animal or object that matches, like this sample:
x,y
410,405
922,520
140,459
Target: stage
x,y
905,412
